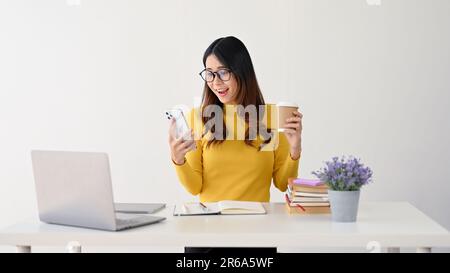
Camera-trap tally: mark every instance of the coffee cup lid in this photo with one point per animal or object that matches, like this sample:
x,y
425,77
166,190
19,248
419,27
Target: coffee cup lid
x,y
287,103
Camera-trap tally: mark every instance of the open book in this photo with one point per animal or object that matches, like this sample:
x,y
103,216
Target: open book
x,y
221,207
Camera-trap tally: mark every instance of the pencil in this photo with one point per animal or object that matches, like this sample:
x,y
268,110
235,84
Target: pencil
x,y
203,205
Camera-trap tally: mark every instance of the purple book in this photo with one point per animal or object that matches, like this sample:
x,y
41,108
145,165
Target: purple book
x,y
308,182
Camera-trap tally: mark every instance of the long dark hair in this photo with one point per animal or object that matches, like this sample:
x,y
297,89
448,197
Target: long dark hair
x,y
233,54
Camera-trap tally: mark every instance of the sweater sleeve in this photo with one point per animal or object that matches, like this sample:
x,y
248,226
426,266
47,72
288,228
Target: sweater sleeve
x,y
190,173
284,166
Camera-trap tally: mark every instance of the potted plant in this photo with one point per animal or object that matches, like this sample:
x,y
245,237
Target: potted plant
x,y
344,176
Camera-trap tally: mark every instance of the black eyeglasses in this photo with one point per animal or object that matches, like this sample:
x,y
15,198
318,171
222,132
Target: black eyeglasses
x,y
224,75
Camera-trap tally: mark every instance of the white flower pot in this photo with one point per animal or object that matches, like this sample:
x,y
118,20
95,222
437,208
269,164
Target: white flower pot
x,y
344,205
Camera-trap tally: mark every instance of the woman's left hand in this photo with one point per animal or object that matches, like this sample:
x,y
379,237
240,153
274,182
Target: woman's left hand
x,y
293,133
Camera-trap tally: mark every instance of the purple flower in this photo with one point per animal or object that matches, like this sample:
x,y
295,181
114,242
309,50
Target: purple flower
x,y
344,174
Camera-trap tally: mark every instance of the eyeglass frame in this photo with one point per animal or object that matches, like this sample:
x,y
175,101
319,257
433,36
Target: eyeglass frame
x,y
214,74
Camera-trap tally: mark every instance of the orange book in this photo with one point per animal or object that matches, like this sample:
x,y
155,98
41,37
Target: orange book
x,y
308,210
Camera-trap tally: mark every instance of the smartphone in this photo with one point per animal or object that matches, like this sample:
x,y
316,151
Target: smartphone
x,y
181,125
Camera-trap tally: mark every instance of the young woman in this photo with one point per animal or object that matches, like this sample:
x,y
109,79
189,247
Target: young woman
x,y
230,169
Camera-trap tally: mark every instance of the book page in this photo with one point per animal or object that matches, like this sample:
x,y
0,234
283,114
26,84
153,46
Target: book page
x,y
194,208
240,207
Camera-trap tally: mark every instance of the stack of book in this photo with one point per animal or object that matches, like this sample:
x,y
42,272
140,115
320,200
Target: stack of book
x,y
307,196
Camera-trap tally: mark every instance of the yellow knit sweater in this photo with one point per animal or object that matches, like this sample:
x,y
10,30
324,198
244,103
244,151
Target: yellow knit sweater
x,y
233,170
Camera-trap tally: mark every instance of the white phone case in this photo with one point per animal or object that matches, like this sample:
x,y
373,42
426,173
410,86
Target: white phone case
x,y
182,128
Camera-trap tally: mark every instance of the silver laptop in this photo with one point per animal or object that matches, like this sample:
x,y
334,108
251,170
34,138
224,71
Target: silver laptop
x,y
75,189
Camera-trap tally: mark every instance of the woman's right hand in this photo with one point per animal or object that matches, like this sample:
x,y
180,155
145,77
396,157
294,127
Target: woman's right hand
x,y
179,146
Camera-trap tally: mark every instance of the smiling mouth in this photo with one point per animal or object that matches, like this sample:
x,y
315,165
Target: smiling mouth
x,y
222,92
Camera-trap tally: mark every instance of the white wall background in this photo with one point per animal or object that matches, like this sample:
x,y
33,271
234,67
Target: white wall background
x,y
372,81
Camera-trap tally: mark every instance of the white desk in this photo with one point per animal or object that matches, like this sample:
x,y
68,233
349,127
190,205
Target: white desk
x,y
380,224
